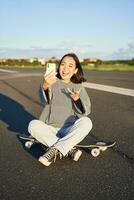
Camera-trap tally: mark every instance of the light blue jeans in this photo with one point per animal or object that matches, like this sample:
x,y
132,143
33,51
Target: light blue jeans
x,y
64,139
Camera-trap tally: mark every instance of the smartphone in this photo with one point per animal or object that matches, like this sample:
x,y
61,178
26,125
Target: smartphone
x,y
51,67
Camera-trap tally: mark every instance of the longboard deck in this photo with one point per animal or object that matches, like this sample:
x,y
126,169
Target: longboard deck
x,y
98,144
28,138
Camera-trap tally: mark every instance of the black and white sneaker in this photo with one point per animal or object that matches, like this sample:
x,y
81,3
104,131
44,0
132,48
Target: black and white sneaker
x,y
75,153
50,156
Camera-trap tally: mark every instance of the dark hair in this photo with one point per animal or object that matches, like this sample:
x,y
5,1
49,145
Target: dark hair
x,y
79,76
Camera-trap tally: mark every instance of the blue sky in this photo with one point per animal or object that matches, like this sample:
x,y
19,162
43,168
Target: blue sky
x,y
44,28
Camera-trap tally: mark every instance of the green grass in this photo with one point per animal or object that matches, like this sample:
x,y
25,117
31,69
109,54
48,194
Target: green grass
x,y
107,67
103,67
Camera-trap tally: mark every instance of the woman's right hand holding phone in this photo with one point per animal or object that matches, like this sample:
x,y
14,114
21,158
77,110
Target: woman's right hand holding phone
x,y
48,80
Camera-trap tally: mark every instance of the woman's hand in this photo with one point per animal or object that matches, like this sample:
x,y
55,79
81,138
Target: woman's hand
x,y
75,95
49,80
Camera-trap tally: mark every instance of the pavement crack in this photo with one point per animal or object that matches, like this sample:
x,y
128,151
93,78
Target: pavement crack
x,y
119,152
122,154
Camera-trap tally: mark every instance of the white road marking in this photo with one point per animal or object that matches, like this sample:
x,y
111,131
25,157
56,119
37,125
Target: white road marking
x,y
8,71
113,89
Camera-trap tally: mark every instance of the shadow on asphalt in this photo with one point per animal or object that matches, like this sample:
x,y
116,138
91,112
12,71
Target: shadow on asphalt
x,y
14,115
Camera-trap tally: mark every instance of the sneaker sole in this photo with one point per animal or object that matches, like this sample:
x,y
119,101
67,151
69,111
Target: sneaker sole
x,y
77,156
44,162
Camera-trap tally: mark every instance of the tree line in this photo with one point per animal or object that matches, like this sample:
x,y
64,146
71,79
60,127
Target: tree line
x,y
26,62
110,62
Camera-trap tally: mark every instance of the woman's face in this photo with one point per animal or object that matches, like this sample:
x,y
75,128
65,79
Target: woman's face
x,y
67,69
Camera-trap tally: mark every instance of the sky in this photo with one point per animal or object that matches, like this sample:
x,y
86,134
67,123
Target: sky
x,y
102,29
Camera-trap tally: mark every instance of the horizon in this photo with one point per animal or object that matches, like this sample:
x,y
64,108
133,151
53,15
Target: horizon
x,y
58,58
91,29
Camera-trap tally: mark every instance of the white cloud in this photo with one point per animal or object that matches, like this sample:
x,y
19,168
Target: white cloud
x,y
82,50
124,53
33,51
2,51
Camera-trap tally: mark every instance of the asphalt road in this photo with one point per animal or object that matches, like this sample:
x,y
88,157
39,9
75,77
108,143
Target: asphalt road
x,y
109,176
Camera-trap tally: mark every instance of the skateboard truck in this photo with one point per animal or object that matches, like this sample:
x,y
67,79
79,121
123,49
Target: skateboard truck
x,y
30,141
96,151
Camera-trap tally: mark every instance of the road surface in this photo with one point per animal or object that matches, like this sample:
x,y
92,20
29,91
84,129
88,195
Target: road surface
x,y
109,176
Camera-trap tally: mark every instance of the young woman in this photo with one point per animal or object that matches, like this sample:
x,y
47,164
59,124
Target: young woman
x,y
63,122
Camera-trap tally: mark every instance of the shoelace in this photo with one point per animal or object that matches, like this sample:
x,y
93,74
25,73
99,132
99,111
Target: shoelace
x,y
53,152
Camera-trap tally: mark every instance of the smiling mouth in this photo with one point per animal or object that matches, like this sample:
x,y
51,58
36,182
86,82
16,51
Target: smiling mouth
x,y
65,74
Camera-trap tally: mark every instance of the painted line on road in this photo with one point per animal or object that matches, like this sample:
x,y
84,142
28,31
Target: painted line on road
x,y
113,89
8,71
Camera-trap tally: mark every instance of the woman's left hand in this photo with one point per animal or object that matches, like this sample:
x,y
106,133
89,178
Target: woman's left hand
x,y
75,95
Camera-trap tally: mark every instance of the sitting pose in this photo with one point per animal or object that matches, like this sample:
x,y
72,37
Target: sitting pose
x,y
63,122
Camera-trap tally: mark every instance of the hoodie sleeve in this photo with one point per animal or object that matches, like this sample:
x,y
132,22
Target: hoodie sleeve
x,y
79,105
86,104
42,96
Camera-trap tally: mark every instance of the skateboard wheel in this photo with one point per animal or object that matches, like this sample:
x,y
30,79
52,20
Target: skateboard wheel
x,y
28,144
95,152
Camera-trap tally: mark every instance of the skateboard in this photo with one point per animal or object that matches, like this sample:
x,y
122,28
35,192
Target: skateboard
x,y
96,148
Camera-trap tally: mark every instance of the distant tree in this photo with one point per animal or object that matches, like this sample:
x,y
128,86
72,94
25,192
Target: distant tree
x,y
131,62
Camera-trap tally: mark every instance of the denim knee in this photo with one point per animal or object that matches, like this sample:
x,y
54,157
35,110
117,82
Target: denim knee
x,y
33,125
87,124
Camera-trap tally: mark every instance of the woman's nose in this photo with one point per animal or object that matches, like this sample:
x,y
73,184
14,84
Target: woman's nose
x,y
65,67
